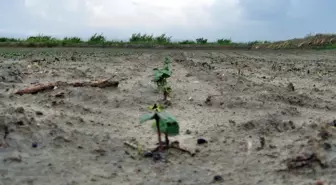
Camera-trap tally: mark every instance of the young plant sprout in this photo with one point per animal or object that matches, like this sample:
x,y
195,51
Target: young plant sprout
x,y
164,123
166,92
160,78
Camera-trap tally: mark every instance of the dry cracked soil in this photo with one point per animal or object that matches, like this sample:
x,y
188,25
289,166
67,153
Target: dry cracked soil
x,y
268,117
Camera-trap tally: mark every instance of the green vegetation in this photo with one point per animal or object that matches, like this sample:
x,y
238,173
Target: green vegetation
x,y
99,40
164,123
224,41
160,78
138,40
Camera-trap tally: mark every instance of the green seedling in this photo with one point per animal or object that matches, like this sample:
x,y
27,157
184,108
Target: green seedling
x,y
161,76
164,123
166,92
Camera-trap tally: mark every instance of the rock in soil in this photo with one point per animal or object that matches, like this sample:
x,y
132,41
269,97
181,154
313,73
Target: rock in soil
x,y
201,141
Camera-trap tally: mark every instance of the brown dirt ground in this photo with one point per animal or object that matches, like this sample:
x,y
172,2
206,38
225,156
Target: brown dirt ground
x,y
257,127
309,41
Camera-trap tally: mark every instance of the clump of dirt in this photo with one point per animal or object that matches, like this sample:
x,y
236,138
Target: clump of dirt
x,y
269,126
318,152
10,73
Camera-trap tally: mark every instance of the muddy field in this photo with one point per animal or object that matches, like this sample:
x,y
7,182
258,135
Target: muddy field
x,y
269,117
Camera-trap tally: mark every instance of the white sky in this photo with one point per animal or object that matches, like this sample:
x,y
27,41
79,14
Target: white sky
x,y
182,19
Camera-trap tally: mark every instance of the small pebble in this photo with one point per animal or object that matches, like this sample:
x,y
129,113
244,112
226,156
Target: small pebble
x,y
39,113
188,132
218,178
201,141
290,87
20,123
332,123
148,154
157,156
34,145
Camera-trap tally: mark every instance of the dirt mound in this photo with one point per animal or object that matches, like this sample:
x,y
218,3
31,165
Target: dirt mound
x,y
308,42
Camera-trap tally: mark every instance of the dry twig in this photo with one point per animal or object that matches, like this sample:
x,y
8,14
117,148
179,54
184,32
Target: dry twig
x,y
42,87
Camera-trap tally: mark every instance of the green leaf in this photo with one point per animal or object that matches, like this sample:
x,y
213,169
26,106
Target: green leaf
x,y
168,124
162,74
146,117
157,75
173,129
166,73
167,117
167,61
162,124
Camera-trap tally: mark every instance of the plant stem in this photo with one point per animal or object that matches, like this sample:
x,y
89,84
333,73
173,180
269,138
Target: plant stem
x,y
167,140
165,95
157,120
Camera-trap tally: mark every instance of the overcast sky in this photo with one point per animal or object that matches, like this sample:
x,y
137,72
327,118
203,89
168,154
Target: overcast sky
x,y
241,20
